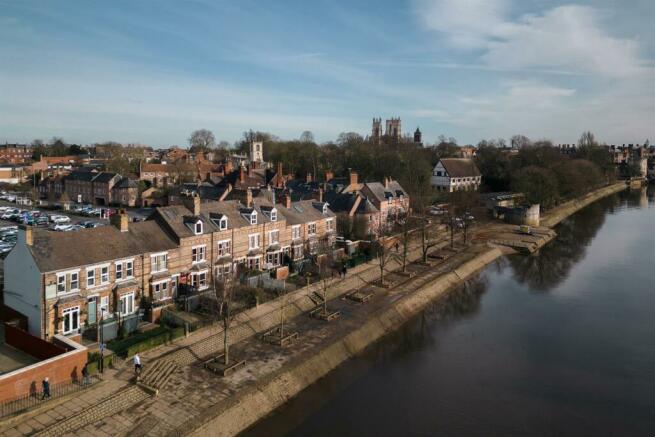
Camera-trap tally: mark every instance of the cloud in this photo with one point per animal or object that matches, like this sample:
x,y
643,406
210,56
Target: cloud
x,y
568,37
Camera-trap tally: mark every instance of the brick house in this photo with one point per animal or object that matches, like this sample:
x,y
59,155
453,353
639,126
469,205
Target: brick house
x,y
69,282
16,153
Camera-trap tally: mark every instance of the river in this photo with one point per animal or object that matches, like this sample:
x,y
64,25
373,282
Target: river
x,y
559,343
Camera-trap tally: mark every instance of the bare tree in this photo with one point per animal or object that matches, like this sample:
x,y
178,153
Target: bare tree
x,y
587,139
519,141
383,250
307,137
427,242
224,290
202,140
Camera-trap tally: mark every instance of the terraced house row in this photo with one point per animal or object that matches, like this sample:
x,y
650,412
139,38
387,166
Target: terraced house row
x,y
71,282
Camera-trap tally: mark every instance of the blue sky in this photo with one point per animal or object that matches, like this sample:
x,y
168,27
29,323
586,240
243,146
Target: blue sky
x,y
153,71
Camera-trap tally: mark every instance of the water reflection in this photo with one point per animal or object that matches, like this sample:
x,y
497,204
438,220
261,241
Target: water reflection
x,y
549,267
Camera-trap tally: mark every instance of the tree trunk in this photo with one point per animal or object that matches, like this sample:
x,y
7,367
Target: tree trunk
x,y
226,337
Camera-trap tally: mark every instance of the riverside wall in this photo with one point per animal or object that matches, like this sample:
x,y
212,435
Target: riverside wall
x,y
556,215
256,402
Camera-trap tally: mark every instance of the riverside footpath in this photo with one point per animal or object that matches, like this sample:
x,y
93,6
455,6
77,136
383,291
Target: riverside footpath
x,y
180,396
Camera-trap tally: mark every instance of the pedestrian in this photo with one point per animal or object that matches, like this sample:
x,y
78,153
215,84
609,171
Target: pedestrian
x,y
46,388
397,246
137,364
344,270
85,374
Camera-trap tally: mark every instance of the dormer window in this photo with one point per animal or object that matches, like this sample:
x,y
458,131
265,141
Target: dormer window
x,y
220,221
274,215
222,224
325,208
198,227
253,218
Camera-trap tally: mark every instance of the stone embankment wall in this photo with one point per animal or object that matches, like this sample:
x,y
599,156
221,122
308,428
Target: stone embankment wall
x,y
556,215
258,401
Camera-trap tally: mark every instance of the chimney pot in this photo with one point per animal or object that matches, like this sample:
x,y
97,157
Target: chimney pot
x,y
249,198
287,200
353,177
120,220
320,194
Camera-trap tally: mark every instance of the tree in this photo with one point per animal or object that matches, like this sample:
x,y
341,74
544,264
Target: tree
x,y
383,250
307,137
539,185
202,140
224,290
58,147
587,139
520,141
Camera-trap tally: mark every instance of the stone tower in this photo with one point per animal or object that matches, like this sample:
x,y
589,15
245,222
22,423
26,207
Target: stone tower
x,y
418,137
257,151
393,130
376,134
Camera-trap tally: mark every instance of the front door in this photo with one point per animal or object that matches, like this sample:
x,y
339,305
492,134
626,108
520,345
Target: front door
x,y
92,311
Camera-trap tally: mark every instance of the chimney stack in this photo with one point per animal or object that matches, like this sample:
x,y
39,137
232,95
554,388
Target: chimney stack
x,y
228,166
279,176
242,175
320,194
353,177
120,220
248,198
309,178
29,236
287,200
192,203
329,175
386,182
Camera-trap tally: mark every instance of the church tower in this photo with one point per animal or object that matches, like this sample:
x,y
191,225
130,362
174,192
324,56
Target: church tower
x,y
376,134
256,151
393,131
418,137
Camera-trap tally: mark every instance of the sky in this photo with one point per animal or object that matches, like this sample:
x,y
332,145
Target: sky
x,y
151,72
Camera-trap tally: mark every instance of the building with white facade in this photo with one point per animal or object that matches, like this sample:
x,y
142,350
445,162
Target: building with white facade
x,y
454,174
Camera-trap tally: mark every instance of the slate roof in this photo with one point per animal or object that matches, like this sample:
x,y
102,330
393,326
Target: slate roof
x,y
382,193
54,251
177,217
304,211
343,202
460,167
126,183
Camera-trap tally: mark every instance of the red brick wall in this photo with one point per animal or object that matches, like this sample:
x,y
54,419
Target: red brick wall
x,y
30,344
61,369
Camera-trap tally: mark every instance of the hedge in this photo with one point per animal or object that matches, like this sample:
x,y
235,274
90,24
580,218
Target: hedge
x,y
92,364
144,341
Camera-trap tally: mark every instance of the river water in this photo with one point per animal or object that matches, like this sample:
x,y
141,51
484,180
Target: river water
x,y
561,343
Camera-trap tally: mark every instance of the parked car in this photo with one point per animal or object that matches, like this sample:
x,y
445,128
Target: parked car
x,y
9,214
62,227
59,219
42,220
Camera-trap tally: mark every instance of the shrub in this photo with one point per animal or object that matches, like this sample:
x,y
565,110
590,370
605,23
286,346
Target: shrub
x,y
144,341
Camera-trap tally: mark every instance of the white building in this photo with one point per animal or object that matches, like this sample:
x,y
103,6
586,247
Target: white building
x,y
454,174
257,151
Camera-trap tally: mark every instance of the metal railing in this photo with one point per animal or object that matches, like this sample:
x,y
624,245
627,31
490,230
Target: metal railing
x,y
36,399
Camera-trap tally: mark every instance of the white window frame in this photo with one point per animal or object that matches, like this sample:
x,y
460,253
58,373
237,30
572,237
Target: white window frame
x,y
271,240
155,256
69,312
225,251
311,226
198,254
195,227
222,224
104,304
295,232
129,298
157,289
253,238
125,271
273,215
329,223
104,277
195,280
90,277
253,218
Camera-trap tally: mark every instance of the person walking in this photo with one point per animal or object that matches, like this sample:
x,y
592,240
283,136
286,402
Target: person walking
x,y
85,374
46,388
344,270
137,364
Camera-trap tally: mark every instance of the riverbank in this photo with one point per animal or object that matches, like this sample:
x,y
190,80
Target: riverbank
x,y
553,217
192,401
